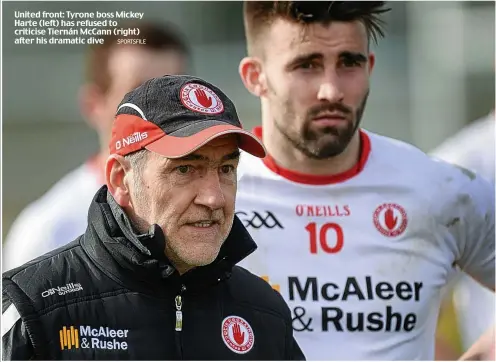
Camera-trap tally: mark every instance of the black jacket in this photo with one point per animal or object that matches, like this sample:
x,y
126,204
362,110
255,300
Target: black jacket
x,y
112,294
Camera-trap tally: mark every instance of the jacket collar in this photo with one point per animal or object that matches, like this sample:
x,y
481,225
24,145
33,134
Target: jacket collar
x,y
143,254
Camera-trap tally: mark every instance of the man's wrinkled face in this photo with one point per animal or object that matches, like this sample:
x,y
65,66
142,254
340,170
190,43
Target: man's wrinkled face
x,y
191,199
317,81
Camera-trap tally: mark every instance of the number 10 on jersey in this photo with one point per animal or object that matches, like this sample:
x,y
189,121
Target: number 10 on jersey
x,y
319,237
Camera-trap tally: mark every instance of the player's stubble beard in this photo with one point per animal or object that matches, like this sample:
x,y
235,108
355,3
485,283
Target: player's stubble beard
x,y
324,142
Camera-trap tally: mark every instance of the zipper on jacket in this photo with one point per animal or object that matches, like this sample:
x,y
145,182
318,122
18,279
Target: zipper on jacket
x,y
178,301
179,313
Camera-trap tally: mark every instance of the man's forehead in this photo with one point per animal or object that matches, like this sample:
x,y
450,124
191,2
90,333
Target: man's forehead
x,y
288,36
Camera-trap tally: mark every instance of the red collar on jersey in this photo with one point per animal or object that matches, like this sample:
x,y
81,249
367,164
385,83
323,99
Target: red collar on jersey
x,y
309,179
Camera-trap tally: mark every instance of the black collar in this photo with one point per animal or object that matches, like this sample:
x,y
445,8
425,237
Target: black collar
x,y
139,258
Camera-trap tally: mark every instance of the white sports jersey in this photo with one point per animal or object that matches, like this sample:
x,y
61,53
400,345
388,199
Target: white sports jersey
x,y
474,148
55,219
361,257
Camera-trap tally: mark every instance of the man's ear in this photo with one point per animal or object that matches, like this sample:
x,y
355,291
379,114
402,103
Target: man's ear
x,y
116,169
371,62
251,73
90,98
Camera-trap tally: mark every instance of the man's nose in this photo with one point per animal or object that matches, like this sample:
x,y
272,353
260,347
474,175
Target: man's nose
x,y
330,89
210,192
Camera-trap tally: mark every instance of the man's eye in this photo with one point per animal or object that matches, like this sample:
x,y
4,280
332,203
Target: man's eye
x,y
227,169
349,63
306,65
185,169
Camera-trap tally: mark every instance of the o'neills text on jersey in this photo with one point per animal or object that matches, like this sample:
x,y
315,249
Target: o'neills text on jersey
x,y
354,292
322,210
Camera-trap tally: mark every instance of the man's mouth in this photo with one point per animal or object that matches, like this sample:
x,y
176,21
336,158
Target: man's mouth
x,y
329,120
202,223
327,116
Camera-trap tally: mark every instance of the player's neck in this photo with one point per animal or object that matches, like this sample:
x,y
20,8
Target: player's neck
x,y
287,156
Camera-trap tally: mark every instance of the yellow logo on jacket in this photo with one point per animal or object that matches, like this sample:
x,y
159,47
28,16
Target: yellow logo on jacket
x,y
69,338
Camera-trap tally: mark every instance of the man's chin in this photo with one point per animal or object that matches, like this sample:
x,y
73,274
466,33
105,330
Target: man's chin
x,y
324,149
200,254
326,153
327,144
201,260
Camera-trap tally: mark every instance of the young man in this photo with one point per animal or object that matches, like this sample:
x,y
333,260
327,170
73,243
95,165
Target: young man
x,y
358,232
154,275
112,70
473,148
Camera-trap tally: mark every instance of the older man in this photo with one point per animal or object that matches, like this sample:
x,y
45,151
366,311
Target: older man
x,y
154,275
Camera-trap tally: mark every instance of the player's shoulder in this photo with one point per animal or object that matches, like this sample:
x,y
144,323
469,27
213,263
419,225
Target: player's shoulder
x,y
63,275
250,165
416,166
70,185
252,290
387,150
36,275
70,189
53,220
473,138
449,189
473,147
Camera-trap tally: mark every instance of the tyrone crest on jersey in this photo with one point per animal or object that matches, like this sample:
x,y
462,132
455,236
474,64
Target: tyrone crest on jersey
x,y
390,219
237,334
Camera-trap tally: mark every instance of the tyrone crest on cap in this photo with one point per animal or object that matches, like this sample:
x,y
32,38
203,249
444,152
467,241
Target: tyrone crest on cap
x,y
201,99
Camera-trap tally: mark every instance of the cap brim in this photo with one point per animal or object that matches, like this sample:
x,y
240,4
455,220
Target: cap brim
x,y
176,147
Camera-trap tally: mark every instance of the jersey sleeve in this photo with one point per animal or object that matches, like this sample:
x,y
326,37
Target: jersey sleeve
x,y
473,228
29,237
16,344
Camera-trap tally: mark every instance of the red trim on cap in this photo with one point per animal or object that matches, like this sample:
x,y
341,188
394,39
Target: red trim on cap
x,y
132,133
176,147
310,179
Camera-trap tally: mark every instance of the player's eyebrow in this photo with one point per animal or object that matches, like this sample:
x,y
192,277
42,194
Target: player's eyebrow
x,y
354,56
304,58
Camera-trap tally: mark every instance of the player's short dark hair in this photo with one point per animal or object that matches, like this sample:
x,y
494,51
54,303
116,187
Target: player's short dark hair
x,y
158,37
259,15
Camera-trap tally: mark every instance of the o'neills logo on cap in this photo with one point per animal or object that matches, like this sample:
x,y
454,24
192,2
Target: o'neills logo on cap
x,y
237,334
198,98
129,140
